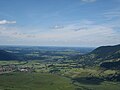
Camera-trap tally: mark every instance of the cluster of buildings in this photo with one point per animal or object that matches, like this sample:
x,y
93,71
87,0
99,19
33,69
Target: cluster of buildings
x,y
13,68
7,68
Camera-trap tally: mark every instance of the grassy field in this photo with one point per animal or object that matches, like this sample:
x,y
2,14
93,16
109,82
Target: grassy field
x,y
42,79
10,62
45,81
34,81
102,86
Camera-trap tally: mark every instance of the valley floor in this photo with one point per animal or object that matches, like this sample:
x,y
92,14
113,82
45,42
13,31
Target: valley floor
x,y
36,75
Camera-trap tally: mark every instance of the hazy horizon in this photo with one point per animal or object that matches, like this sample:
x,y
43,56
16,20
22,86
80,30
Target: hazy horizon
x,y
62,23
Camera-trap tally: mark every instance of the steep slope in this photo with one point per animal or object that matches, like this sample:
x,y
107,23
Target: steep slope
x,y
107,52
101,54
111,65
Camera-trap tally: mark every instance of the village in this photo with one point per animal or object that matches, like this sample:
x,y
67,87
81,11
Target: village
x,y
14,68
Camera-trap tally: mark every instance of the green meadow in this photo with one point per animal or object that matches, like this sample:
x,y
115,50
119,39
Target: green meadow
x,y
47,81
34,81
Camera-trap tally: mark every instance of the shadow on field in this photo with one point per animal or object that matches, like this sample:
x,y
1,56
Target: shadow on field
x,y
89,80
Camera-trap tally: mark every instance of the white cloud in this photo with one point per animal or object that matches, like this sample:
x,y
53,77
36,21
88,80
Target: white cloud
x,y
57,27
112,14
88,0
2,22
88,34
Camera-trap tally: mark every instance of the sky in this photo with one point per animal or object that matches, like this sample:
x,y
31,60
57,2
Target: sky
x,y
81,23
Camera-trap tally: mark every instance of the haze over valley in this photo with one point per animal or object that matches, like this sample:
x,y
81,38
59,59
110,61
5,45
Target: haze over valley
x,y
59,44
